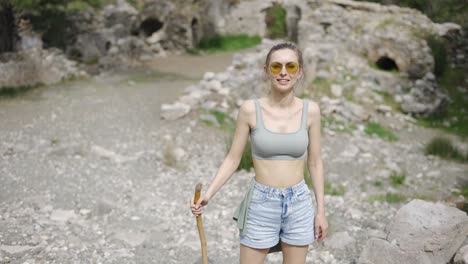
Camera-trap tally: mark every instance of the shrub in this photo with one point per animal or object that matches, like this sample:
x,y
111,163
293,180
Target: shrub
x,y
388,197
397,179
226,43
443,147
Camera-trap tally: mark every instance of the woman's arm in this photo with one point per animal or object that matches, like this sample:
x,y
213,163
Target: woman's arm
x,y
315,165
232,160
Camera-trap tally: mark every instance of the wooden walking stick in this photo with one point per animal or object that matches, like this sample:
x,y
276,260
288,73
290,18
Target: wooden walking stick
x,y
201,231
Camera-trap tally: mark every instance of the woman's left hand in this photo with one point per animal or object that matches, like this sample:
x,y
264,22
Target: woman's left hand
x,y
321,226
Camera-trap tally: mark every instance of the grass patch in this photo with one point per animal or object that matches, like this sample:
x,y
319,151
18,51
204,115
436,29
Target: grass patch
x,y
397,179
444,148
463,191
228,124
13,92
275,20
455,119
334,190
337,125
320,87
219,43
388,197
388,100
373,128
221,121
378,184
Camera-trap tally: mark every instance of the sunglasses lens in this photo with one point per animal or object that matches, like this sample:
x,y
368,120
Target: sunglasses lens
x,y
276,67
292,67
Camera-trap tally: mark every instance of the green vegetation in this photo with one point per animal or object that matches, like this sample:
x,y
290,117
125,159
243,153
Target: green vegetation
x,y
438,10
223,121
375,128
336,125
388,197
153,75
320,87
444,148
388,100
397,179
456,115
12,92
227,124
334,190
439,52
275,20
220,43
378,184
463,191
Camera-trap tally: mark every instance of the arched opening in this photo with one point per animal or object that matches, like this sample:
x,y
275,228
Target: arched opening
x,y
386,63
275,20
151,25
293,17
195,32
8,33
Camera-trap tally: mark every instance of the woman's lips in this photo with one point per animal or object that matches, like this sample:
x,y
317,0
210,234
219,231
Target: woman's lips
x,y
282,81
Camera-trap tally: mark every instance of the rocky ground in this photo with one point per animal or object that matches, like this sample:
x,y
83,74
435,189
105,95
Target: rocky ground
x,y
90,174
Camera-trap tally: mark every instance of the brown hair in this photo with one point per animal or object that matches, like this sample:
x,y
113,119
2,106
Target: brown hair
x,y
285,45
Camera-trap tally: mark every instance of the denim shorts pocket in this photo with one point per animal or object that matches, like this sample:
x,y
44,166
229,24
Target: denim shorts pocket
x,y
258,196
303,194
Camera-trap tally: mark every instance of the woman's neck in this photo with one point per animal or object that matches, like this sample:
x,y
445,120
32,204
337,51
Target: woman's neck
x,y
281,100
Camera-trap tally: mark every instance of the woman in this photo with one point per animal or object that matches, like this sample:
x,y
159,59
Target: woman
x,y
282,128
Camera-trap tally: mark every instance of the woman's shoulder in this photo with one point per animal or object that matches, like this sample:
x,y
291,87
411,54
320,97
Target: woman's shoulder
x,y
313,106
248,106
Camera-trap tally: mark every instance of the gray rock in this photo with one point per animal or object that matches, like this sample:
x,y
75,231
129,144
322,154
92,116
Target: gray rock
x,y
382,252
432,229
462,256
421,232
174,111
339,241
62,215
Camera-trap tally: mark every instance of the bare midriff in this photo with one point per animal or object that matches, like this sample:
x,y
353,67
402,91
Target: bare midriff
x,y
279,173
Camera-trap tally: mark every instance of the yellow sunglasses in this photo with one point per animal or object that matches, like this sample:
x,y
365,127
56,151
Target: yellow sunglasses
x,y
291,67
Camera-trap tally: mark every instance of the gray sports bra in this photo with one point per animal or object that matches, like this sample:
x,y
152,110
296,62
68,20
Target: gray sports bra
x,y
271,145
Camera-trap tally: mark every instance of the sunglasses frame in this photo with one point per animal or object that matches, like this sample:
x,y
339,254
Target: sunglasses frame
x,y
284,66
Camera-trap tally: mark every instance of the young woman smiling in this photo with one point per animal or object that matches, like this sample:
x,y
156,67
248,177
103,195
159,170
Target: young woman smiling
x,y
284,132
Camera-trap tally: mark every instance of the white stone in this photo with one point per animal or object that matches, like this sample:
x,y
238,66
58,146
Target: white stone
x,y
174,111
336,90
62,216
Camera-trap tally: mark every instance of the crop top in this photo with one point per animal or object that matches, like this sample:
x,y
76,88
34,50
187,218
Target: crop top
x,y
269,145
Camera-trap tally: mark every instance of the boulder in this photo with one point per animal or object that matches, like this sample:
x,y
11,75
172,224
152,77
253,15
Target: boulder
x,y
421,232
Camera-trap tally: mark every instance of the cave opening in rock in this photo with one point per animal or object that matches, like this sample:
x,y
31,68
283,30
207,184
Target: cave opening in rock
x,y
294,15
151,25
386,63
195,32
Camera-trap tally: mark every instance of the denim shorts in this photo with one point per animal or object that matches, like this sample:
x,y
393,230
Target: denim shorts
x,y
279,213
